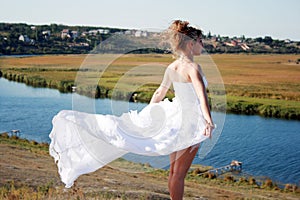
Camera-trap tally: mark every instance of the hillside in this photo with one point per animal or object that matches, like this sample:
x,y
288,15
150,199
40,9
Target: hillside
x,y
19,38
28,172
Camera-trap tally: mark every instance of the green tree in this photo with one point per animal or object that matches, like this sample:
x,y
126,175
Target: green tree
x,y
268,40
259,39
209,35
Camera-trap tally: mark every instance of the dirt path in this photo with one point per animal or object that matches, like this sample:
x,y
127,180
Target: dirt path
x,y
24,167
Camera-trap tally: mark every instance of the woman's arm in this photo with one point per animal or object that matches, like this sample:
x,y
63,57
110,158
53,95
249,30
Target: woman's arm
x,y
199,86
159,94
162,90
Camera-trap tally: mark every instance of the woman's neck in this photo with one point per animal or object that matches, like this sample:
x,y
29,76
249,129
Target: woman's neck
x,y
186,57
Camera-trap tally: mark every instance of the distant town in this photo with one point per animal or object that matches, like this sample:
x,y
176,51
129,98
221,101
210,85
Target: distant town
x,y
20,39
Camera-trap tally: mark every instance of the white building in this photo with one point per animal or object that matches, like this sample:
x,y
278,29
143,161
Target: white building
x,y
141,34
103,31
24,38
93,32
99,31
74,34
65,33
127,32
47,32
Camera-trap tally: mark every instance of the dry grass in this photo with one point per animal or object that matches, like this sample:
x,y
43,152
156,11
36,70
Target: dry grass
x,y
28,172
255,78
262,76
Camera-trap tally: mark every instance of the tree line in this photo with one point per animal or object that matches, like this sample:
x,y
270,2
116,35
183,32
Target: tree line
x,y
21,38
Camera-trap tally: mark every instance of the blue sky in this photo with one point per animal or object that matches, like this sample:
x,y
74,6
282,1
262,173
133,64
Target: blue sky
x,y
279,19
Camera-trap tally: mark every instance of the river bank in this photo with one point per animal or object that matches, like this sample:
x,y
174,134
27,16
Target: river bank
x,y
28,171
265,85
257,141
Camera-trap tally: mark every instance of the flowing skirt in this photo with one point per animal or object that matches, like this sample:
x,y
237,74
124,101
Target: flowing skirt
x,y
82,143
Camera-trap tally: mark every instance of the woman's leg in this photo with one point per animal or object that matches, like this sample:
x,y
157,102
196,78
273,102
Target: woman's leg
x,y
180,163
172,163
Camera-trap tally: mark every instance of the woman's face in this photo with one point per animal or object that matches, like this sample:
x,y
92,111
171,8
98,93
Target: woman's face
x,y
197,47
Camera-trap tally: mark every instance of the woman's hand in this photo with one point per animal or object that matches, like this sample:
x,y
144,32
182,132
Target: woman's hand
x,y
209,127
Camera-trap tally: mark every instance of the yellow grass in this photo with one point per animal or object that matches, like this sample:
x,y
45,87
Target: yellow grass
x,y
241,73
274,77
263,76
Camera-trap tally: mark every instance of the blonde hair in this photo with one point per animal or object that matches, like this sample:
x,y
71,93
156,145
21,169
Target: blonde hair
x,y
178,34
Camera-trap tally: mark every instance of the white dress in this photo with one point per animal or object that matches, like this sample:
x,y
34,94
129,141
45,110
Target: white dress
x,y
82,143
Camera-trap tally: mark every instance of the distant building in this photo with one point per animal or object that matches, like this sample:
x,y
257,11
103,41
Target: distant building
x,y
128,32
99,31
103,31
119,33
287,41
85,33
93,32
234,42
26,39
244,46
141,34
46,34
65,33
229,44
74,34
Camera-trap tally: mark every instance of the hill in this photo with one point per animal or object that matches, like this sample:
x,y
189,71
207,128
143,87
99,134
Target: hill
x,y
20,38
28,172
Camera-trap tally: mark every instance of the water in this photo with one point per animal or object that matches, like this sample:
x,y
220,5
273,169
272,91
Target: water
x,y
267,147
31,109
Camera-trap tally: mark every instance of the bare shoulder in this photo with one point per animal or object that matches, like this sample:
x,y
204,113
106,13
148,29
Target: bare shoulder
x,y
193,67
173,65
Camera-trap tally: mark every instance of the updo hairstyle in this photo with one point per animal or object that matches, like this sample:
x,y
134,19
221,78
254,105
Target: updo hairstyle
x,y
179,33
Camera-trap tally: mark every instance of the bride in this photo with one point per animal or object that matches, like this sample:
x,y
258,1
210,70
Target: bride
x,y
82,143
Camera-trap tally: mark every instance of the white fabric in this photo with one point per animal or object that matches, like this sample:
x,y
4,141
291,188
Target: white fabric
x,y
82,143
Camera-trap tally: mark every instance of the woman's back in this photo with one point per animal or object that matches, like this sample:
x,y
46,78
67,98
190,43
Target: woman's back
x,y
179,71
185,93
179,75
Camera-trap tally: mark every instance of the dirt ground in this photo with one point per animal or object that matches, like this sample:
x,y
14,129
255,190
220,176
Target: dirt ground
x,y
25,167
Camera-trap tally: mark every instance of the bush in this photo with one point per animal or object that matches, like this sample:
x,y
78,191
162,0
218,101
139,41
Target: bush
x,y
252,181
198,171
33,142
243,180
38,81
268,183
229,178
290,188
209,175
65,86
4,135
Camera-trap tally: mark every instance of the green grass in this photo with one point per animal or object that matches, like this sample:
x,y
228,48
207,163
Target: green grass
x,y
264,107
30,145
267,85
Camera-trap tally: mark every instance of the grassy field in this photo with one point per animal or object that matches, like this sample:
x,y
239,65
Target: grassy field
x,y
268,85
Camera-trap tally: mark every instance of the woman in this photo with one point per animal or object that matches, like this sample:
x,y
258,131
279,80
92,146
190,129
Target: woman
x,y
186,42
82,143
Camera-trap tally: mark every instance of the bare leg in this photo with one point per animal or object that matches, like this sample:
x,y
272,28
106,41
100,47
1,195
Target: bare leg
x,y
180,163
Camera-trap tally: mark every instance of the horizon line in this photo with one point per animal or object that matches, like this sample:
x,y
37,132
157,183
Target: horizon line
x,y
134,28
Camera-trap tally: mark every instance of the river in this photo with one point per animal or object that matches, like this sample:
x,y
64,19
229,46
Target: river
x,y
266,146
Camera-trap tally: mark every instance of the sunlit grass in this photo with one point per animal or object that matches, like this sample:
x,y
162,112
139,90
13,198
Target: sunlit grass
x,y
16,189
255,77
